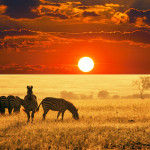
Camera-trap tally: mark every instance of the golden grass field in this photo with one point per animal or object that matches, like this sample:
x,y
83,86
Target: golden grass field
x,y
103,124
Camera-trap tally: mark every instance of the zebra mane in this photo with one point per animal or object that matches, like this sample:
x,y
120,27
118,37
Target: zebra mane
x,y
71,107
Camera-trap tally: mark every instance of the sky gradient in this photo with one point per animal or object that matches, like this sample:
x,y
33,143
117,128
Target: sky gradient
x,y
50,36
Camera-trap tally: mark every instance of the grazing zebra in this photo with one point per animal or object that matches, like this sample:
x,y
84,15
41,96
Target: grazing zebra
x,y
11,102
58,104
30,103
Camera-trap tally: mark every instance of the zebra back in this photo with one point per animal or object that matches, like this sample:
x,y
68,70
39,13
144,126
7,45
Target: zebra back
x,y
4,102
11,101
55,104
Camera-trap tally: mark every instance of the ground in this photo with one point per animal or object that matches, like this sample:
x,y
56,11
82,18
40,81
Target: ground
x,y
103,124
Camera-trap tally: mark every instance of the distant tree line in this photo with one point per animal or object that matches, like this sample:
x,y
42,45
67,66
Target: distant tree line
x,y
142,84
103,94
71,95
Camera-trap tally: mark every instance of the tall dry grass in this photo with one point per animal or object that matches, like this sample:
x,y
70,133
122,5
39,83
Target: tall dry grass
x,y
103,124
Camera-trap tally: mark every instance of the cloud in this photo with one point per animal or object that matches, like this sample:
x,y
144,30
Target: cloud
x,y
16,68
87,13
14,32
8,45
57,14
21,8
120,18
36,41
135,14
135,36
141,4
29,40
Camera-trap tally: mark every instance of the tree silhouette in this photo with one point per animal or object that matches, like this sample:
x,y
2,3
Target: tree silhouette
x,y
142,84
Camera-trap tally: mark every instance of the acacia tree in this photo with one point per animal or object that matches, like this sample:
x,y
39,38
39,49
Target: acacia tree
x,y
142,84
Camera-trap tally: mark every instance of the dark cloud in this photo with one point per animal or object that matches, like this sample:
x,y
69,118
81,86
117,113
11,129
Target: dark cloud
x,y
83,7
13,32
9,45
137,4
57,14
141,4
134,14
87,13
135,36
21,8
86,2
16,68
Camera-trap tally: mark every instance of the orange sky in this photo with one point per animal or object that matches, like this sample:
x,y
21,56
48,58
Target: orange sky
x,y
50,36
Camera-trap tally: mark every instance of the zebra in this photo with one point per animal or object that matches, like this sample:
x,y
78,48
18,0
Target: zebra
x,y
30,103
60,105
11,102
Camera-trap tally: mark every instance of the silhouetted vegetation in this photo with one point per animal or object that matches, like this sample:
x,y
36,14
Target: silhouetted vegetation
x,y
68,95
103,94
142,84
115,96
73,96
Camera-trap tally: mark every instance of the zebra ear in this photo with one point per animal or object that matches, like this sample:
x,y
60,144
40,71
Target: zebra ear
x,y
27,87
31,87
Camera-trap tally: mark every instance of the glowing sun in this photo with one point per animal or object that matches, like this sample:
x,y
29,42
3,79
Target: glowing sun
x,y
86,64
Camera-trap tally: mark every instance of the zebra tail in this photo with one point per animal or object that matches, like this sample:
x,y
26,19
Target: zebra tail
x,y
38,107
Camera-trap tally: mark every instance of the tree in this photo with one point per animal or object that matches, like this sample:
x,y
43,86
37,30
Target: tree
x,y
142,84
69,95
103,94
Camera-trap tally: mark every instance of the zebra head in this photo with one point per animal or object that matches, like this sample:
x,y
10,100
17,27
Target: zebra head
x,y
29,90
75,114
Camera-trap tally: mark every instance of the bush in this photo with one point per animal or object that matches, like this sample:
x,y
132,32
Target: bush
x,y
103,94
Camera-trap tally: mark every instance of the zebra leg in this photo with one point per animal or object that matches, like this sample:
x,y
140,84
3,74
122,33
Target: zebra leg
x,y
32,115
17,109
28,115
63,115
10,110
58,114
45,112
3,111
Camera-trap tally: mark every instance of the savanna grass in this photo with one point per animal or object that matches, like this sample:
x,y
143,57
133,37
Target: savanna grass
x,y
103,124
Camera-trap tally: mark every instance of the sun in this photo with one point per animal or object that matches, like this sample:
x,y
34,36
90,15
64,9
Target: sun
x,y
86,64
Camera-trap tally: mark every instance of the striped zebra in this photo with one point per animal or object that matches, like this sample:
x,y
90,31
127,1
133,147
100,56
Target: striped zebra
x,y
60,105
30,103
11,102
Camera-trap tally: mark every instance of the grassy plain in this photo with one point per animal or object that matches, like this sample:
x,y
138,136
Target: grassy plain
x,y
103,124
